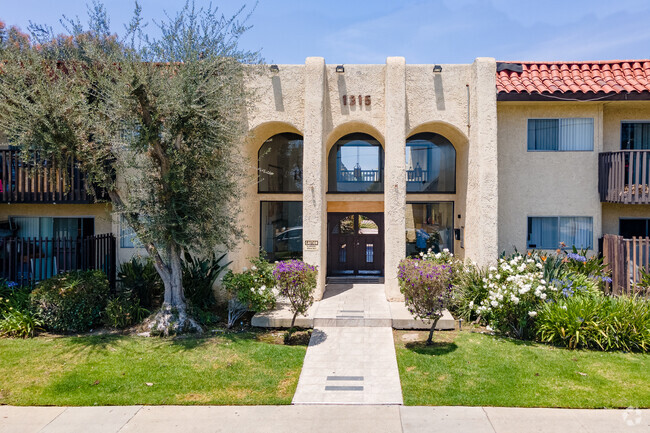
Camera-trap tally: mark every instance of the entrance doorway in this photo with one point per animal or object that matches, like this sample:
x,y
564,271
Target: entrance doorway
x,y
355,244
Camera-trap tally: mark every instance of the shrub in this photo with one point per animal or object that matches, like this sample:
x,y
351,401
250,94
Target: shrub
x,y
469,290
296,280
16,317
138,277
72,301
252,287
516,291
597,322
124,311
427,289
199,276
19,323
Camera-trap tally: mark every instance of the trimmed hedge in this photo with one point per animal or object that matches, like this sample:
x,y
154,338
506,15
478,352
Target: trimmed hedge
x,y
72,301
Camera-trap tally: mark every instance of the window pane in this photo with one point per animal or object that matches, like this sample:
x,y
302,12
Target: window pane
x,y
576,134
543,233
635,135
356,164
576,232
281,229
543,134
429,225
280,164
430,164
127,234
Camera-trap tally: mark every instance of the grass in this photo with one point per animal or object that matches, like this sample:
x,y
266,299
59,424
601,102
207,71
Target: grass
x,y
245,369
474,369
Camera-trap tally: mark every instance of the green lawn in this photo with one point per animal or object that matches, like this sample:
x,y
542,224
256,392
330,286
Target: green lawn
x,y
123,370
473,369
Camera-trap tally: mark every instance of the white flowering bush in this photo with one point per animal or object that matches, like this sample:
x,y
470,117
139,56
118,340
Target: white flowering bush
x,y
516,291
253,287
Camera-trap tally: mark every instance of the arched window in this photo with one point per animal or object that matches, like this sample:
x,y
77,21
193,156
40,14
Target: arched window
x,y
430,164
356,164
280,164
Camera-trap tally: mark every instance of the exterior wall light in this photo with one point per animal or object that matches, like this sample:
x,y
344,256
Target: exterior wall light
x,y
274,69
340,69
437,69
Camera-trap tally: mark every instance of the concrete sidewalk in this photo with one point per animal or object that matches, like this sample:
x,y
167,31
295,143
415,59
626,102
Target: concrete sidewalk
x,y
317,419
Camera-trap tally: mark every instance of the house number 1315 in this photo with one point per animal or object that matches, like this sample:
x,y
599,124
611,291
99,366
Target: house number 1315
x,y
356,99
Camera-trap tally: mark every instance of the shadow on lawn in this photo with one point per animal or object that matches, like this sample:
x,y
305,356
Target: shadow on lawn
x,y
435,349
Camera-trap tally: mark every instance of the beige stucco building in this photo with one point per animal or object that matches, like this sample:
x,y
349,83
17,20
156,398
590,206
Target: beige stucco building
x,y
354,167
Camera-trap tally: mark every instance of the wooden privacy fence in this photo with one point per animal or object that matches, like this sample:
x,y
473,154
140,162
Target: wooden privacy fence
x,y
29,260
625,258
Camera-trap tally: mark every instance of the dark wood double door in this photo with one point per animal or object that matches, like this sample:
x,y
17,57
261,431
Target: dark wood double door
x,y
355,244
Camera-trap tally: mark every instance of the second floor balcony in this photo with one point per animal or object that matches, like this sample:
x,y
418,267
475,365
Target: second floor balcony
x,y
624,177
40,181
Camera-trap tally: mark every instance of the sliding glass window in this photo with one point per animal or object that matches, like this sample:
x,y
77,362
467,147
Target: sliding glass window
x,y
564,135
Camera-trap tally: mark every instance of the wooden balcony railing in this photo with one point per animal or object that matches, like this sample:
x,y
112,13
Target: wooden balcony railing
x,y
624,176
22,182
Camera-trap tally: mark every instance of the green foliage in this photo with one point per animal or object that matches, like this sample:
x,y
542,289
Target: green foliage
x,y
253,287
296,281
19,323
199,276
138,278
168,113
72,301
469,291
205,317
597,322
124,311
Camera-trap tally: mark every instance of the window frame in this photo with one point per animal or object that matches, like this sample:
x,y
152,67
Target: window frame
x,y
382,168
455,166
453,219
134,242
259,150
593,142
259,224
620,140
558,217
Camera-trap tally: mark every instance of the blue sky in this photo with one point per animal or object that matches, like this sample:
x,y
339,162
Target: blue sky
x,y
445,31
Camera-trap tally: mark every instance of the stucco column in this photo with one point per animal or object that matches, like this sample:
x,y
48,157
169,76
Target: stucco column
x,y
314,205
395,174
481,223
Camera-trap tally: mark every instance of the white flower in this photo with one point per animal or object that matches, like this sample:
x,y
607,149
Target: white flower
x,y
488,328
532,313
471,304
563,307
540,266
542,281
514,299
253,268
492,268
445,250
494,304
262,288
543,296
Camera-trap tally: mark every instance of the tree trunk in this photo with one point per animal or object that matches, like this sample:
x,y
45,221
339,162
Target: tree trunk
x,y
293,321
172,318
433,328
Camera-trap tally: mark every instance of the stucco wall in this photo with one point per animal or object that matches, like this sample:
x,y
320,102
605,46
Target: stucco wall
x,y
544,183
617,111
613,212
100,212
405,100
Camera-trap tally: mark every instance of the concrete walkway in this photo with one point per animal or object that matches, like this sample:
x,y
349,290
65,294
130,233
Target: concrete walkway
x,y
351,355
318,419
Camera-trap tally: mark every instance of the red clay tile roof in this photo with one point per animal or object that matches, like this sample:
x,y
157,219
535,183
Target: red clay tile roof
x,y
557,78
